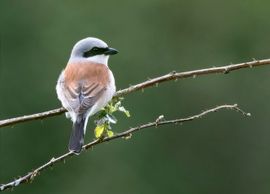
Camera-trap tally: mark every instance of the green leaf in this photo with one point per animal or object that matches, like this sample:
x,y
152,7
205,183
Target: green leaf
x,y
117,105
105,118
99,130
122,109
109,133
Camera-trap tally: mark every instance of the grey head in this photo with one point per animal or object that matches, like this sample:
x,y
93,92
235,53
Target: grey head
x,y
92,49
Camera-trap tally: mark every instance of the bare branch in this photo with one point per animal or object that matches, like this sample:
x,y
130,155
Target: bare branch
x,y
126,134
170,76
195,73
32,117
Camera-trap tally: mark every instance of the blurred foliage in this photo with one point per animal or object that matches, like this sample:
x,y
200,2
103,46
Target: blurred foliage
x,y
223,153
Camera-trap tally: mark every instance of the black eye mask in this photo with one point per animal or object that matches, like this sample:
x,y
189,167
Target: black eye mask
x,y
95,51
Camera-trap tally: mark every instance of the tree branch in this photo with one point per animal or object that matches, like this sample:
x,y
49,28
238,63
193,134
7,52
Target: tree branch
x,y
195,73
32,117
126,134
170,76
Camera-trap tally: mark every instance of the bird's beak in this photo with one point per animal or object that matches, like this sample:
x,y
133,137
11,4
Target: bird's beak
x,y
110,51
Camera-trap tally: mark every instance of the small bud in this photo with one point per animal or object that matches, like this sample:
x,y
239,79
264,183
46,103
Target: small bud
x,y
128,136
161,117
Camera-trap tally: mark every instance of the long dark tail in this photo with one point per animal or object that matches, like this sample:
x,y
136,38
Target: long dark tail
x,y
76,139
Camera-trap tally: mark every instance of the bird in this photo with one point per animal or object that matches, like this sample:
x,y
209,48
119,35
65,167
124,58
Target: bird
x,y
85,86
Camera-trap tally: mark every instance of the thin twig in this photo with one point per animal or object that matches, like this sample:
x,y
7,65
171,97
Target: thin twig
x,y
152,82
126,134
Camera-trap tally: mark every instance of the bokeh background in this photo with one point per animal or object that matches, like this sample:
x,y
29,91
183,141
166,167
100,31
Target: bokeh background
x,y
222,153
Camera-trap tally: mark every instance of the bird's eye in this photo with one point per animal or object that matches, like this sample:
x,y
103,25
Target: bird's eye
x,y
95,49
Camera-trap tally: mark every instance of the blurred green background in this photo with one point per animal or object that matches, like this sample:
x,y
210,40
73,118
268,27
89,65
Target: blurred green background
x,y
222,153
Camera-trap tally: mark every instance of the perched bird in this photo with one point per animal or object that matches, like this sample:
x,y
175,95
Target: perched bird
x,y
85,86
